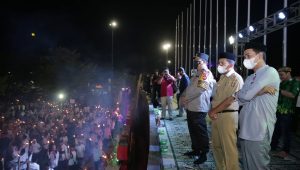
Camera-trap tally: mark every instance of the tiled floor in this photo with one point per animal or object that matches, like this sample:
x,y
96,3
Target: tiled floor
x,y
176,132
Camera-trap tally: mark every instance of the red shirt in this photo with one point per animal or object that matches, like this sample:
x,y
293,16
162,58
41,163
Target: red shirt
x,y
166,87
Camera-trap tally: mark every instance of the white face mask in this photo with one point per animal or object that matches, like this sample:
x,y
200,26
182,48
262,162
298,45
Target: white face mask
x,y
222,69
249,63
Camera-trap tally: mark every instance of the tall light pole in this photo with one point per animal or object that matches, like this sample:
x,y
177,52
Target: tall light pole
x,y
166,47
113,25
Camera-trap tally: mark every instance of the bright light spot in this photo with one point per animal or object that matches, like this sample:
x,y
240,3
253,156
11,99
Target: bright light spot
x,y
166,46
231,39
241,35
251,28
33,34
113,24
61,96
281,15
169,61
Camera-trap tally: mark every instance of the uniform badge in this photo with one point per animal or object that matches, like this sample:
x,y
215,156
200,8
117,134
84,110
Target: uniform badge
x,y
203,76
201,81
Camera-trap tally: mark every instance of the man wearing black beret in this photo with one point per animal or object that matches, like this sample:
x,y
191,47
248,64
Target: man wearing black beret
x,y
225,115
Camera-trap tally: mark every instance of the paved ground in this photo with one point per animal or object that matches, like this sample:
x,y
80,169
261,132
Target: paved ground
x,y
174,140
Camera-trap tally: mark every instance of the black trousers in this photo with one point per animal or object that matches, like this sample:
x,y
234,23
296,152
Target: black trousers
x,y
282,128
198,131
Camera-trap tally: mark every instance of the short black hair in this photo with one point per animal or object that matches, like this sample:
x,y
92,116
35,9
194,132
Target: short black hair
x,y
181,69
256,46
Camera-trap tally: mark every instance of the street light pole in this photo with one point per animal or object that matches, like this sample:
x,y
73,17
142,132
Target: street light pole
x,y
113,24
167,58
112,49
166,47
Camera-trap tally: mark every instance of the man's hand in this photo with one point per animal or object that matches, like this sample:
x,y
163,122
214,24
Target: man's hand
x,y
267,89
212,115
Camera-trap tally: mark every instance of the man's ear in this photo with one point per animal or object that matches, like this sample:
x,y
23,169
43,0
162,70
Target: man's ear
x,y
230,65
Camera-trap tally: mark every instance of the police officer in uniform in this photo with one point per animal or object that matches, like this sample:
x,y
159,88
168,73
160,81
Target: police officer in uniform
x,y
196,101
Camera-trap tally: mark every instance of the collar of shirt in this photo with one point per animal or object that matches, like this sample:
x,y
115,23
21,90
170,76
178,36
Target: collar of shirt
x,y
230,72
261,69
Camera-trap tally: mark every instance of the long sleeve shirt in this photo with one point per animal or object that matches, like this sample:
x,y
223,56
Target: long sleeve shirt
x,y
258,114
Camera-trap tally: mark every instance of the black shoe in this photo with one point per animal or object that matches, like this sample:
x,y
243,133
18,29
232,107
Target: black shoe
x,y
162,118
178,115
201,159
170,118
191,153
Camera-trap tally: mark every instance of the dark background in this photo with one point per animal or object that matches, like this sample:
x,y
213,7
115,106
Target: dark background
x,y
82,26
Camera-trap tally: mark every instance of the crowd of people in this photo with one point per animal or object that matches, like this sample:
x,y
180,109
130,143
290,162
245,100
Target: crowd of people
x,y
61,136
256,111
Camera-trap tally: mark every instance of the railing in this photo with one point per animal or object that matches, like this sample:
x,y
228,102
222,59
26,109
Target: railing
x,y
133,146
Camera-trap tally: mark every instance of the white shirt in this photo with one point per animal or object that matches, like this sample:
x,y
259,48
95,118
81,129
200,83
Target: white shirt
x,y
80,150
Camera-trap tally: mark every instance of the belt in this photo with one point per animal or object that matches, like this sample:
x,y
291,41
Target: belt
x,y
224,111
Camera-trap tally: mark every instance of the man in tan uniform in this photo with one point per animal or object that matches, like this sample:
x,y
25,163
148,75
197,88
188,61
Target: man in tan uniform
x,y
224,115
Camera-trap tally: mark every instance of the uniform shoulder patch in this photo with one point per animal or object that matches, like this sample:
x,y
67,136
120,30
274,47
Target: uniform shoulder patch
x,y
204,75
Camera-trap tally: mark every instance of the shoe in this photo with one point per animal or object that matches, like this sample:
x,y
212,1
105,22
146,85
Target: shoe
x,y
170,119
191,153
201,159
178,115
162,118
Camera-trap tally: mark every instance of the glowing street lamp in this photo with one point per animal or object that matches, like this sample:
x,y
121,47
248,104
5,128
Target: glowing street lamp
x,y
113,24
61,96
166,47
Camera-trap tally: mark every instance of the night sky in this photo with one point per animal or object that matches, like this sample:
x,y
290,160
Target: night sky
x,y
82,25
